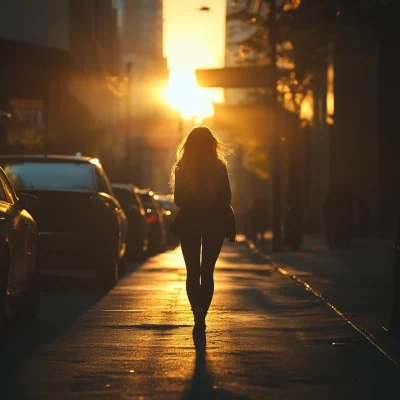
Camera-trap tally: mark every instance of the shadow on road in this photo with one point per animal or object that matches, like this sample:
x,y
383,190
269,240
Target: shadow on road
x,y
62,303
202,384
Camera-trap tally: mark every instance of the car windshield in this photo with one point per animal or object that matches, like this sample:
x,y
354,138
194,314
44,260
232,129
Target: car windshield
x,y
51,176
166,204
147,201
125,197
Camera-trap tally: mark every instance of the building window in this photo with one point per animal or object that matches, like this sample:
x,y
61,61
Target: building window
x,y
330,94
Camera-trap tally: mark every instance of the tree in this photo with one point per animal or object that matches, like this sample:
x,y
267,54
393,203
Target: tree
x,y
306,31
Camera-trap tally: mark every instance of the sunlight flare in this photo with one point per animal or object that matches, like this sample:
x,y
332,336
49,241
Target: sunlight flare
x,y
185,96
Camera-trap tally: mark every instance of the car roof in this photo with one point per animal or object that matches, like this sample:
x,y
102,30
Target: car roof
x,y
164,196
146,191
127,186
48,158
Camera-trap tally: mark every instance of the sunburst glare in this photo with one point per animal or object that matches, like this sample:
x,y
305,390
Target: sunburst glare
x,y
185,96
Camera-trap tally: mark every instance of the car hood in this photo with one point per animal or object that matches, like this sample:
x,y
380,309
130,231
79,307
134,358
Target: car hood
x,y
60,211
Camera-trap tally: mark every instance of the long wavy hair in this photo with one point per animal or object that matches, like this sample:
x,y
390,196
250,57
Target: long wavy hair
x,y
197,156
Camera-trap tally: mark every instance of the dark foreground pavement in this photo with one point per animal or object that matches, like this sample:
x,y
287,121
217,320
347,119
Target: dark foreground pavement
x,y
267,338
358,281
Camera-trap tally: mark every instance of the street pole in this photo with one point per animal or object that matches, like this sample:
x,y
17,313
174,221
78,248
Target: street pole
x,y
275,153
3,114
129,122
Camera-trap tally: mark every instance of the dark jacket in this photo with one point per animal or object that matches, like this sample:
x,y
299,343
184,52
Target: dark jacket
x,y
201,210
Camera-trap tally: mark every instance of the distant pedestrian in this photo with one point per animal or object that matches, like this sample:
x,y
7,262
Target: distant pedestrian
x,y
342,217
202,191
346,216
258,215
294,224
329,216
363,216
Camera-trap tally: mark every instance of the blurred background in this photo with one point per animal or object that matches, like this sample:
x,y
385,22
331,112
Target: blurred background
x,y
116,79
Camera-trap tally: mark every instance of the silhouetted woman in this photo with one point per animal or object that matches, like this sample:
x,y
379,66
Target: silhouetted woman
x,y
202,192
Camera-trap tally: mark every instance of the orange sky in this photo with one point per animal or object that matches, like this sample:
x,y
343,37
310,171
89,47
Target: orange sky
x,y
194,39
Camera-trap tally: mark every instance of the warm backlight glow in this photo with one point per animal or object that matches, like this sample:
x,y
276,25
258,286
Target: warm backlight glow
x,y
194,37
330,95
184,95
307,107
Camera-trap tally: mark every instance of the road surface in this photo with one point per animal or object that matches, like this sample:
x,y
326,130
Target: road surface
x,y
267,338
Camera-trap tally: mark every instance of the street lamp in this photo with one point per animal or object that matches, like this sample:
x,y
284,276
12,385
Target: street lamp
x,y
203,9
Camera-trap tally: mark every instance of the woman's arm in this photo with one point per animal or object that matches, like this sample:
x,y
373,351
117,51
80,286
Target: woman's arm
x,y
226,193
178,191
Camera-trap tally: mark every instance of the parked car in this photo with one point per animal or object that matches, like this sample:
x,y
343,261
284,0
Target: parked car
x,y
82,225
395,317
19,239
169,211
155,218
137,237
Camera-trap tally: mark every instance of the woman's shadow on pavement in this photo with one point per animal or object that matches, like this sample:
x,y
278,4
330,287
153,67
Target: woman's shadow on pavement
x,y
202,384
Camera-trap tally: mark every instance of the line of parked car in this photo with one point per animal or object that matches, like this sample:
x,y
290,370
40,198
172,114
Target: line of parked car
x,y
61,217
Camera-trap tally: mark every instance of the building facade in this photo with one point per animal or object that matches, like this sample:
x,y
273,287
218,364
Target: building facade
x,y
58,58
143,28
353,141
150,121
43,22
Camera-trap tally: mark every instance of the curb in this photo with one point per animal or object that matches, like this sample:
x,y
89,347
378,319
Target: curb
x,y
309,288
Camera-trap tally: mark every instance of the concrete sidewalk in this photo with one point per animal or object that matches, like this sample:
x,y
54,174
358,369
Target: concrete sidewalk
x,y
358,281
267,338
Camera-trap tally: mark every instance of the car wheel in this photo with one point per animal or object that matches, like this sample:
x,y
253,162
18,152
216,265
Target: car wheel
x,y
26,306
121,267
4,268
108,272
161,248
142,256
140,253
2,306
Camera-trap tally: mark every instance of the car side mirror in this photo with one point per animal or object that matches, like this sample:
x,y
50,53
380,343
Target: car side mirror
x,y
26,201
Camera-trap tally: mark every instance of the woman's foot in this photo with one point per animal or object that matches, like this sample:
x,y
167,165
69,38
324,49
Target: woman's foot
x,y
199,320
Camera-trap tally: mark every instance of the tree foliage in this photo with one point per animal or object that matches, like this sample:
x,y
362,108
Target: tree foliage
x,y
306,29
306,33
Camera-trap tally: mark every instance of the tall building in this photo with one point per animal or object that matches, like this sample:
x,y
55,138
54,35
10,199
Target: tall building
x,y
95,35
42,22
142,45
143,28
148,131
60,58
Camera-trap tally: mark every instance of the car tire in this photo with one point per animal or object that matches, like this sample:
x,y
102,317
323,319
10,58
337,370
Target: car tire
x,y
142,256
156,246
161,248
2,306
122,264
4,268
108,271
26,306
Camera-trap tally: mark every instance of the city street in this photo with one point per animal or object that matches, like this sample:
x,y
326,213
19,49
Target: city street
x,y
125,125
267,338
357,281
